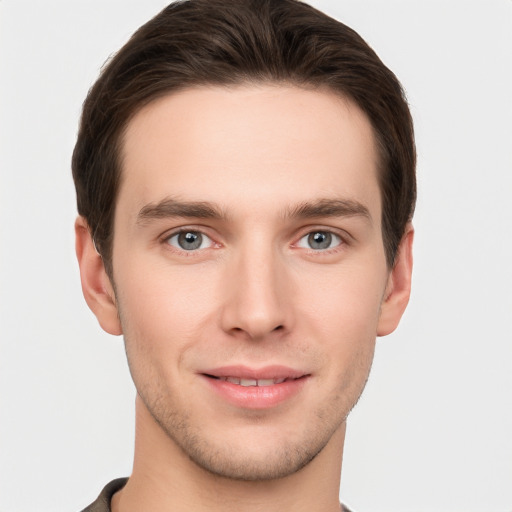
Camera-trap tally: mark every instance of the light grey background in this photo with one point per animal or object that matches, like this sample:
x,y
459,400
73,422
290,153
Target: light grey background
x,y
433,431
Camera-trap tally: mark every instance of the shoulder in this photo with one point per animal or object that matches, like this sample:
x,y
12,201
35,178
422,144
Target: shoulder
x,y
102,503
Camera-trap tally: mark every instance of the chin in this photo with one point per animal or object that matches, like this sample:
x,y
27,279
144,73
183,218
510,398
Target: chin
x,y
259,464
257,452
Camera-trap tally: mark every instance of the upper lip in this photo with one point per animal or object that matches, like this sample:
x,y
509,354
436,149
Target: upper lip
x,y
246,372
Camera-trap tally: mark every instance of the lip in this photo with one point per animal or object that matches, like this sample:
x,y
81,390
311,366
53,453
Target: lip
x,y
290,383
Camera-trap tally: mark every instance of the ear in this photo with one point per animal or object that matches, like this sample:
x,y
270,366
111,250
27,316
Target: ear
x,y
96,285
398,288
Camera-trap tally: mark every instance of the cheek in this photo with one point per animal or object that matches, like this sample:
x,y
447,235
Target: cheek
x,y
162,295
345,301
340,313
163,311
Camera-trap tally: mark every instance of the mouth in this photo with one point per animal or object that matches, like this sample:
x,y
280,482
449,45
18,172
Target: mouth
x,y
249,388
240,381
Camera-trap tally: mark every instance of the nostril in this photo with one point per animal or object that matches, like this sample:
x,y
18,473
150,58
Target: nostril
x,y
278,328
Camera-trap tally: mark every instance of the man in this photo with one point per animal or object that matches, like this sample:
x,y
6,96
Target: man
x,y
245,184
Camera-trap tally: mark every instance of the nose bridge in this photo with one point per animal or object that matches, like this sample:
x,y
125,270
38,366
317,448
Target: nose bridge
x,y
256,301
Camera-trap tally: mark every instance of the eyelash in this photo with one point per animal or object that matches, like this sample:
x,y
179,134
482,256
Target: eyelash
x,y
341,240
331,237
183,231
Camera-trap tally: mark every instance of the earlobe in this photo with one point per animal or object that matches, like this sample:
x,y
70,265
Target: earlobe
x,y
398,288
96,286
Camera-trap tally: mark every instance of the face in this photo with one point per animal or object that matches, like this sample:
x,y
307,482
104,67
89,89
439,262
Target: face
x,y
249,271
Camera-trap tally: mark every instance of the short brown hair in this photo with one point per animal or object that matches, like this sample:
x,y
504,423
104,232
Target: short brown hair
x,y
219,42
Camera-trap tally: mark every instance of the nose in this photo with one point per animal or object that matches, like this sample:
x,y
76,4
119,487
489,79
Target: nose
x,y
257,295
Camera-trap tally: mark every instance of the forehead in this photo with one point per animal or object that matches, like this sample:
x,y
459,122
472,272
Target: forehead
x,y
271,145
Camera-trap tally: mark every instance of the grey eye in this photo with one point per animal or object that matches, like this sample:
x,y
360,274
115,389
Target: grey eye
x,y
189,240
319,240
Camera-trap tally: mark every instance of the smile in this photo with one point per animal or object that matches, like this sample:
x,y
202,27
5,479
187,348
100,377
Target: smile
x,y
250,388
251,382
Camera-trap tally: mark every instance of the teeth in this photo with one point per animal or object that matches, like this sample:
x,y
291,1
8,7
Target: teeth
x,y
253,382
248,382
266,382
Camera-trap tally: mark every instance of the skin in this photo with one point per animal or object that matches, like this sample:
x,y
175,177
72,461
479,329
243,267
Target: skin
x,y
256,293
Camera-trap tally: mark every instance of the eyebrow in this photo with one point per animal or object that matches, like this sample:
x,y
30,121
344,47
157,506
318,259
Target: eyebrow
x,y
329,208
170,207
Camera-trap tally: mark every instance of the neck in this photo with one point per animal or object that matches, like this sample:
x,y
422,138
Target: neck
x,y
165,479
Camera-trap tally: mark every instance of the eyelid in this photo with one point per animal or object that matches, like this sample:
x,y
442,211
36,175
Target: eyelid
x,y
334,238
165,237
344,237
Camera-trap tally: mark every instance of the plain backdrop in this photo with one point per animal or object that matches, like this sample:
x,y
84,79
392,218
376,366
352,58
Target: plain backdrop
x,y
433,431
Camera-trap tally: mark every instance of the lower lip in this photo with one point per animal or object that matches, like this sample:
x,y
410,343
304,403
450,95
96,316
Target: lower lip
x,y
256,397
